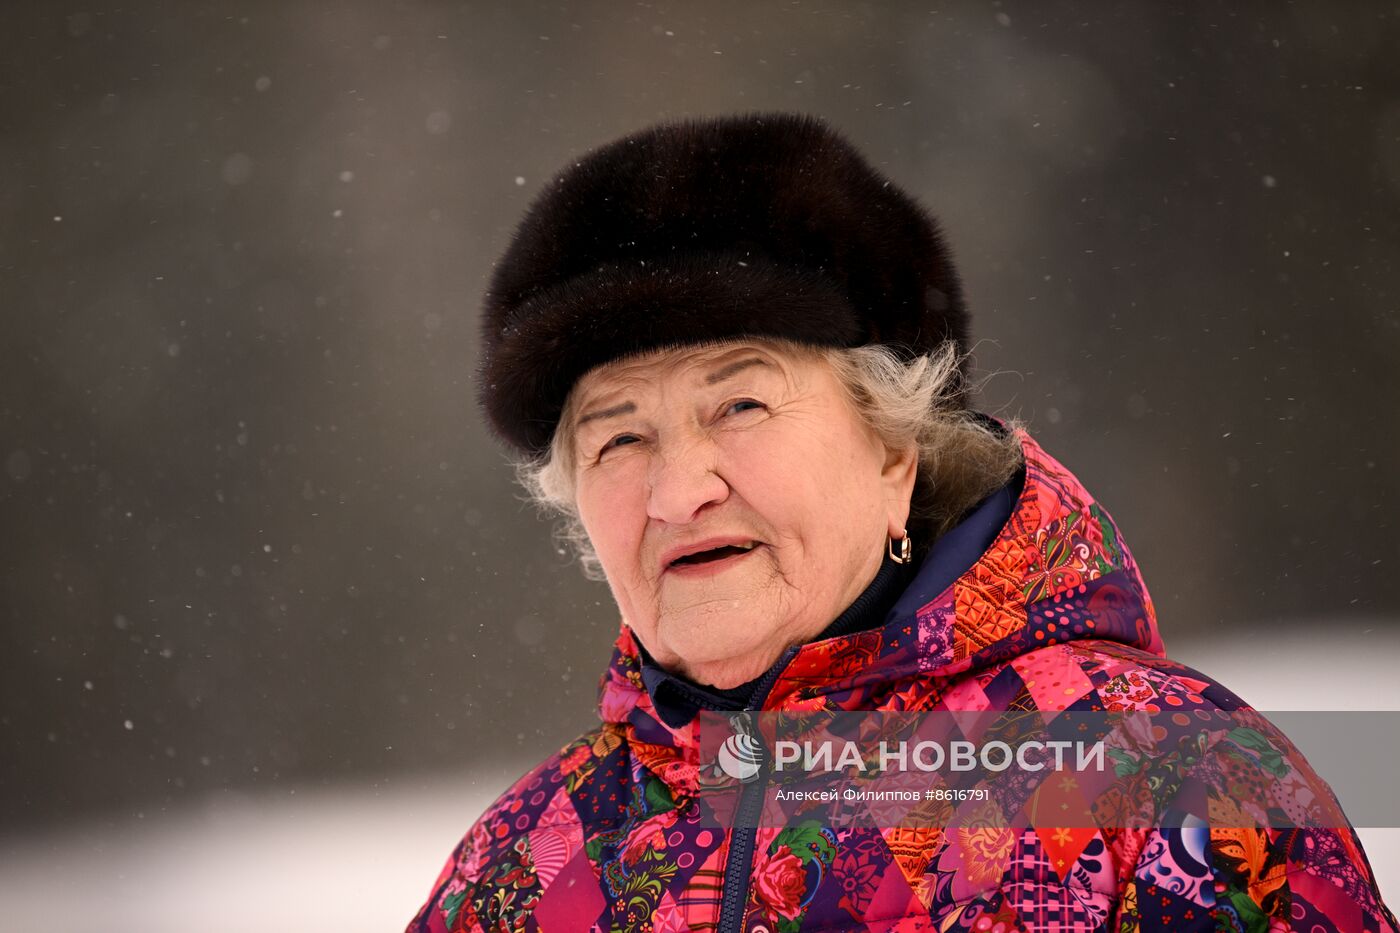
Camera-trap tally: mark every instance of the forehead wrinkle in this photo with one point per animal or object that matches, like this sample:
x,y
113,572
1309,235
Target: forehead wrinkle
x,y
625,375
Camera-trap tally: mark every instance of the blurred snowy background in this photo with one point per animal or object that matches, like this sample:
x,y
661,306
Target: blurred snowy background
x,y
275,624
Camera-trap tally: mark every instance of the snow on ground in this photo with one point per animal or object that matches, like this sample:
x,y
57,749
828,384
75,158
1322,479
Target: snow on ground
x,y
362,858
350,859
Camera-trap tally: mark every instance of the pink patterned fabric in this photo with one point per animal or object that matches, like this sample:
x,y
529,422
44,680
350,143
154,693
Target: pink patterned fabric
x,y
607,834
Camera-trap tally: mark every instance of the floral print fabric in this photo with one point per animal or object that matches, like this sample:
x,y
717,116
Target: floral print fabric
x,y
608,833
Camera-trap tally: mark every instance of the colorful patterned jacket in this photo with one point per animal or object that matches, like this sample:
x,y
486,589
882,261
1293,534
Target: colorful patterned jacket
x,y
608,835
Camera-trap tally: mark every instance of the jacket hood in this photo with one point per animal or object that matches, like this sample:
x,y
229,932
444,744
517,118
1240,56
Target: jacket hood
x,y
1057,571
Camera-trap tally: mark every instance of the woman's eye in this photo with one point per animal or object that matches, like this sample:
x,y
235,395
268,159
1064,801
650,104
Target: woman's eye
x,y
618,441
743,404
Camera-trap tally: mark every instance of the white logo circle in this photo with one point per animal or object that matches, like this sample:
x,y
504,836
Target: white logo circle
x,y
741,757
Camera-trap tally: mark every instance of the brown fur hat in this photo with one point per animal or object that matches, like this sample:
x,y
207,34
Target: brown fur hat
x,y
764,225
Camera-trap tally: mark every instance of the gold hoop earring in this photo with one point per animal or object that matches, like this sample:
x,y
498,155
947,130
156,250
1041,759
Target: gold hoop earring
x,y
906,549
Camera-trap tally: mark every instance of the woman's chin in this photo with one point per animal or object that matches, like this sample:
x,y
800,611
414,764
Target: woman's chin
x,y
724,676
697,648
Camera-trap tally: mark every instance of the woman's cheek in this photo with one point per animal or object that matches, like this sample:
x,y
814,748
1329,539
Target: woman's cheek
x,y
759,461
616,513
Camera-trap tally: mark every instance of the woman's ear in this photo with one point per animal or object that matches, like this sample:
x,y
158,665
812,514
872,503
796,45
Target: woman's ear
x,y
897,478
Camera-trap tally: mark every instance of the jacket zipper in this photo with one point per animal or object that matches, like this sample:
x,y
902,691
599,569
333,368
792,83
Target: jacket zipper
x,y
744,832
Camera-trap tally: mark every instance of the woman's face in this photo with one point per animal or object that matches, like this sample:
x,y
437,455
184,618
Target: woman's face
x,y
736,500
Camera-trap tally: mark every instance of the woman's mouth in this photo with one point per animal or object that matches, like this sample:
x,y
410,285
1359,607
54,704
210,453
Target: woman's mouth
x,y
711,560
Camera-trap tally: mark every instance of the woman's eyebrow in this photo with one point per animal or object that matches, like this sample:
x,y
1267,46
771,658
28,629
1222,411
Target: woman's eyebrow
x,y
724,372
626,408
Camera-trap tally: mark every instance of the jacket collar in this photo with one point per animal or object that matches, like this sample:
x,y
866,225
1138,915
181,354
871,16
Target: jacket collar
x,y
974,604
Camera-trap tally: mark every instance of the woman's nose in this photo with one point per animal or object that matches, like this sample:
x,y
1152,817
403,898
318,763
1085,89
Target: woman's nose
x,y
683,482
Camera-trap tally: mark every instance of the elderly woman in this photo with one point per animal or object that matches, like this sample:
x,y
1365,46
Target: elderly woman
x,y
732,355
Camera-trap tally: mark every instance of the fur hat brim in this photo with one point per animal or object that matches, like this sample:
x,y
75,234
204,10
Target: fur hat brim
x,y
699,232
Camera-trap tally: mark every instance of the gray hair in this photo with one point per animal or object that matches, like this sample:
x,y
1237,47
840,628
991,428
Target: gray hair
x,y
962,458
